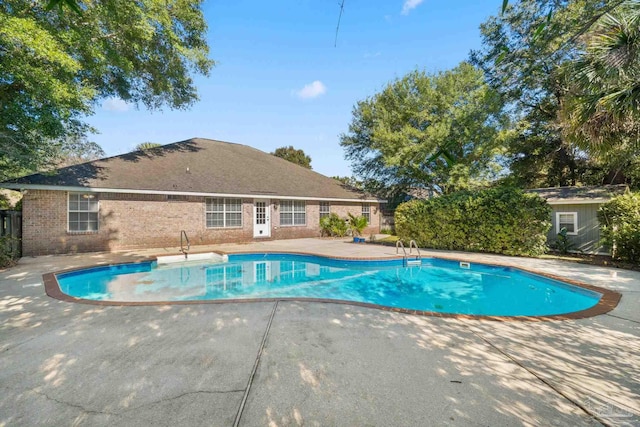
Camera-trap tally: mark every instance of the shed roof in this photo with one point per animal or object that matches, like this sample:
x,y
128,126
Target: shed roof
x,y
196,165
592,194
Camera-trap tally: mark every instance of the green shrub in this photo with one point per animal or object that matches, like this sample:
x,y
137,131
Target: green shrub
x,y
563,244
8,251
357,224
620,226
334,226
497,220
386,231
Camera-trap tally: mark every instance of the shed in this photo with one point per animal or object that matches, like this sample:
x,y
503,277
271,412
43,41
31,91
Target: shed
x,y
576,208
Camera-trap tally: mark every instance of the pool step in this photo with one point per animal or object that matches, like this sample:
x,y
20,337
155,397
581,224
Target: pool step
x,y
412,262
211,257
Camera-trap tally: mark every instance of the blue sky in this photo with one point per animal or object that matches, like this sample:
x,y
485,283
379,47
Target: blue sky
x,y
280,81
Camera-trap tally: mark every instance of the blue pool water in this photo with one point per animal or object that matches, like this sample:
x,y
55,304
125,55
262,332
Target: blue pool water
x,y
436,285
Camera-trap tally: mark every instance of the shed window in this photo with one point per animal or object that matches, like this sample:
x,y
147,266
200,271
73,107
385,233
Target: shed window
x,y
568,220
223,213
325,209
83,212
293,212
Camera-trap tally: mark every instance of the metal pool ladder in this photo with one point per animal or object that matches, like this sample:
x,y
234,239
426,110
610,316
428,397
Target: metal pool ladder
x,y
406,260
184,238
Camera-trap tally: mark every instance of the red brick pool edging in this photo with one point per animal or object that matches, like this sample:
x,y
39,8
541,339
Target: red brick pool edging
x,y
608,301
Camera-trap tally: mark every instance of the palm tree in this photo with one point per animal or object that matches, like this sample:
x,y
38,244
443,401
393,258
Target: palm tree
x,y
602,110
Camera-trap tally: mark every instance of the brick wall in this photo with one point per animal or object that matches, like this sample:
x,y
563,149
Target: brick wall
x,y
129,221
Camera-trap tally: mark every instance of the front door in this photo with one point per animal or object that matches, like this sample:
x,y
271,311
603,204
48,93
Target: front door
x,y
261,218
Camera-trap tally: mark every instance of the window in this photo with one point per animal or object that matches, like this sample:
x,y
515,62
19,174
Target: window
x,y
292,212
366,212
83,212
325,209
568,220
224,213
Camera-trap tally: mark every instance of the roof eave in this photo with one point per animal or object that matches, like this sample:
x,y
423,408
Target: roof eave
x,y
22,187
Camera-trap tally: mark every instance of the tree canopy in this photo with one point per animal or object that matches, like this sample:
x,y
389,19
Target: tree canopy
x,y
56,66
294,156
146,146
440,131
548,61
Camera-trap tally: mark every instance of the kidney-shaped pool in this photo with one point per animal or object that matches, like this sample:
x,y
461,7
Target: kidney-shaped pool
x,y
436,285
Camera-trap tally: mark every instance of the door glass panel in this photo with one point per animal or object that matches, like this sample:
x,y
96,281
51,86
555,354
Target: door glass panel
x,y
260,213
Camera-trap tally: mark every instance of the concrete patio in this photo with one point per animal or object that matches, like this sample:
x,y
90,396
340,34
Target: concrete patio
x,y
315,364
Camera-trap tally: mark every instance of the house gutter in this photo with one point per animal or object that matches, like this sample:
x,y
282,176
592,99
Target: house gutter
x,y
260,195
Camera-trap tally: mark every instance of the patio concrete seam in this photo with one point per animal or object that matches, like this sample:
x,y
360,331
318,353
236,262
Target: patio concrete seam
x,y
540,378
255,366
622,318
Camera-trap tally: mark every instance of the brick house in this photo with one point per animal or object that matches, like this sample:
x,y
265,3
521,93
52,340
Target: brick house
x,y
217,192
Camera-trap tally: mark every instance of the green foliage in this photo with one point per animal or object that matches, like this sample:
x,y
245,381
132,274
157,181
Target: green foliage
x,y
602,110
526,54
334,226
563,244
497,220
386,231
440,131
357,224
146,146
56,66
620,226
294,156
8,254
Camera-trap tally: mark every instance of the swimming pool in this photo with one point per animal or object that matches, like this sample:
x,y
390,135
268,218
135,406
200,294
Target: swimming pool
x,y
437,285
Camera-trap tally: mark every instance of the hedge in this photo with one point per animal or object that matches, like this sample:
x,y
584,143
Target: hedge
x,y
497,220
620,226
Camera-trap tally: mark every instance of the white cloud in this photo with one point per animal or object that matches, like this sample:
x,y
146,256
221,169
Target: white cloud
x,y
312,90
410,4
116,104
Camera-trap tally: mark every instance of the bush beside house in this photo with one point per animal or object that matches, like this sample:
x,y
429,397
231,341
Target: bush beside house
x,y
620,226
497,220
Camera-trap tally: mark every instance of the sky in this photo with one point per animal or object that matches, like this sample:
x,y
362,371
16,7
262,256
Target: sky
x,y
279,80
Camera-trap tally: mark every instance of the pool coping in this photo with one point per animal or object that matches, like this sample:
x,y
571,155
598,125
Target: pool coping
x,y
608,301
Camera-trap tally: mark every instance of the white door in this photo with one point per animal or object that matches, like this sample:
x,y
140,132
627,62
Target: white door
x,y
261,218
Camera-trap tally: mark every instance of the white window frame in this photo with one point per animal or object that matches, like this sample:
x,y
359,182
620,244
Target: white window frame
x,y
575,223
324,213
293,207
225,210
366,212
89,196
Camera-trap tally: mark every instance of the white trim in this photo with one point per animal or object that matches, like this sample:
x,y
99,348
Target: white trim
x,y
575,222
180,193
577,201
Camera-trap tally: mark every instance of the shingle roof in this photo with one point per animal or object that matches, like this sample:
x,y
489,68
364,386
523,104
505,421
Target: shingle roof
x,y
197,166
595,193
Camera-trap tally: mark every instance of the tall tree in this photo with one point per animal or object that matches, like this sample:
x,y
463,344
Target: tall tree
x,y
294,156
55,66
526,53
440,131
